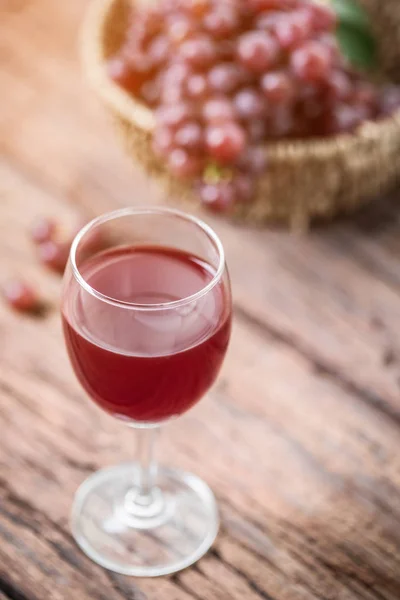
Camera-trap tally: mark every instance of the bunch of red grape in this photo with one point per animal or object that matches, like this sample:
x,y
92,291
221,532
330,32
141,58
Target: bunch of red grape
x,y
224,76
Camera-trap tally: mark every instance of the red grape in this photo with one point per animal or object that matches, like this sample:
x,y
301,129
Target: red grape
x,y
158,50
20,296
172,93
225,142
365,94
190,137
54,255
329,40
139,62
163,141
197,86
177,73
218,110
180,28
172,82
258,51
150,91
43,230
323,17
222,21
146,24
269,21
224,78
344,118
219,197
293,30
254,160
261,5
199,51
119,70
174,115
311,62
249,104
278,87
183,165
339,85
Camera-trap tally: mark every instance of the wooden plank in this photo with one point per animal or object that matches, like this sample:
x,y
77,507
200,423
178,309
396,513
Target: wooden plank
x,y
335,467
286,521
303,423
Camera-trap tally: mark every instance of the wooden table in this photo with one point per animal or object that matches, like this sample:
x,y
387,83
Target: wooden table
x,y
300,438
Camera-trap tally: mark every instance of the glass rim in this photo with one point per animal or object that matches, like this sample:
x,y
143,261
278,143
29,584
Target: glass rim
x,y
132,211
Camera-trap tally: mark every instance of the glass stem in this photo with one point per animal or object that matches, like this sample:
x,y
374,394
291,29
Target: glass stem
x,y
147,464
144,500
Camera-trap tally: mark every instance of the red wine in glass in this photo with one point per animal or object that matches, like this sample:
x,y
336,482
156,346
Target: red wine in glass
x,y
147,322
146,366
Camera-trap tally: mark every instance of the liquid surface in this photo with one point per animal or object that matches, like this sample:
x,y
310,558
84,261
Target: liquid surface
x,y
146,366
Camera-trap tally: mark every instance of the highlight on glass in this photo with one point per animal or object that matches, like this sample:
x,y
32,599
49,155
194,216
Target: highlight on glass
x,y
146,312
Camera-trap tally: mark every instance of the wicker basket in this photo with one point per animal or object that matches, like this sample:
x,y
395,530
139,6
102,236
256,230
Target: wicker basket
x,y
305,179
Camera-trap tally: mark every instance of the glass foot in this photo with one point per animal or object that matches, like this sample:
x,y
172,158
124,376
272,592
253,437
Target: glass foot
x,y
167,535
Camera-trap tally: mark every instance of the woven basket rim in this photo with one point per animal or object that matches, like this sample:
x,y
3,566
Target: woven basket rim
x,y
136,112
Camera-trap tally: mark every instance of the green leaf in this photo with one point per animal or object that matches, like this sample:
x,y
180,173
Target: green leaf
x,y
355,33
352,14
357,45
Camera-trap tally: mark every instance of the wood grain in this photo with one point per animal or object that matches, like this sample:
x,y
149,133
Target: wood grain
x,y
304,422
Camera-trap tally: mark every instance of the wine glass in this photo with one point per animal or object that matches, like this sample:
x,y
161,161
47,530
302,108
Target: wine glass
x,y
146,312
